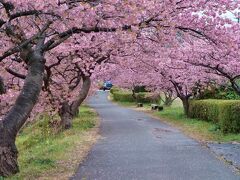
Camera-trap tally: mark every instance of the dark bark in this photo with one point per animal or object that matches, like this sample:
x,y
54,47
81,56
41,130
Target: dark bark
x,y
168,101
183,95
66,115
185,102
19,113
134,94
2,86
235,86
168,98
16,74
68,111
82,95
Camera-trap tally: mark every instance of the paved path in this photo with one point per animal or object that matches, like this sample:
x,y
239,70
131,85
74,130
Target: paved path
x,y
228,151
137,147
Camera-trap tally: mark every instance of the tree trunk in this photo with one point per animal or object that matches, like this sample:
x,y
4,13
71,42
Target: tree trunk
x,y
82,95
66,115
134,94
2,86
168,99
236,87
19,113
67,111
185,101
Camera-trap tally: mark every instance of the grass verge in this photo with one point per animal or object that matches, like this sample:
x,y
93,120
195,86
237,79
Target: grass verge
x,y
195,128
44,154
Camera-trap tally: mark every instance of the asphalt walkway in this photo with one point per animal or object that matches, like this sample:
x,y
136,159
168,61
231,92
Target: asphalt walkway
x,y
134,146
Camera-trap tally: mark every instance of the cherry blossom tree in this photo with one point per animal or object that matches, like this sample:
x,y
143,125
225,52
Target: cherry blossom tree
x,y
30,31
221,59
75,74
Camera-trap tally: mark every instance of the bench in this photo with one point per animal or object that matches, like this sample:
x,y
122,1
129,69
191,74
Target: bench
x,y
160,108
156,107
140,105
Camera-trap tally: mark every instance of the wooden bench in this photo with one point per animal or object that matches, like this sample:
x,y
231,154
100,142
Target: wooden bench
x,y
140,105
156,107
160,108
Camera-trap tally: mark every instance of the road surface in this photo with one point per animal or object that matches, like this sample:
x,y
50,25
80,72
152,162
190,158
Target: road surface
x,y
134,146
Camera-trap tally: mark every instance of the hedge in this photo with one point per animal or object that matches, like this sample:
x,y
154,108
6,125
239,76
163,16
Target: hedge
x,y
126,96
114,89
123,96
226,113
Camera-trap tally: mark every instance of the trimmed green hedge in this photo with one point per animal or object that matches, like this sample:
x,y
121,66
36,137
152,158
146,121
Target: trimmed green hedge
x,y
143,97
126,96
114,89
226,113
123,96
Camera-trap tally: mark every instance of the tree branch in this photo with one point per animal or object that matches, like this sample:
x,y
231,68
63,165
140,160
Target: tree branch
x,y
14,73
2,86
19,47
30,13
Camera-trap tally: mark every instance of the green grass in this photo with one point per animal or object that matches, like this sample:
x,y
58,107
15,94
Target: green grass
x,y
42,150
201,130
195,128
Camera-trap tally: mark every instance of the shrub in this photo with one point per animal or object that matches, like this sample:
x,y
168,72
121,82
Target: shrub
x,y
139,89
218,92
114,89
126,96
226,113
142,97
123,96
